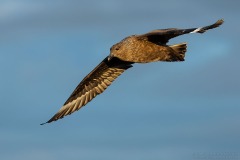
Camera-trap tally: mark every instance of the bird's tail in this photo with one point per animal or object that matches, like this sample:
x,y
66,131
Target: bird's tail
x,y
180,49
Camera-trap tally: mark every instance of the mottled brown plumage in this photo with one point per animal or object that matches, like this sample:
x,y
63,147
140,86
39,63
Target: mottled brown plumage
x,y
145,48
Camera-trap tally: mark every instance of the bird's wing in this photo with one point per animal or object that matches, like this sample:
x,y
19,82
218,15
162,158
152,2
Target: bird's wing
x,y
162,36
92,85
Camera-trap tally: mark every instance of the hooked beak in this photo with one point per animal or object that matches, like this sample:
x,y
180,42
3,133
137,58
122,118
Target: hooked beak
x,y
110,57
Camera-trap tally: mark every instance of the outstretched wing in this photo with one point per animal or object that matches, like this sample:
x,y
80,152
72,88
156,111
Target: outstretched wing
x,y
162,36
92,85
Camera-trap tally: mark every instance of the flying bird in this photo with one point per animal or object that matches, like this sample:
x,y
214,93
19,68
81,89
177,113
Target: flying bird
x,y
144,48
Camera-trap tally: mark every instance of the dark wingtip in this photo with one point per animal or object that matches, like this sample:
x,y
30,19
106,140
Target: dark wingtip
x,y
204,29
43,123
219,22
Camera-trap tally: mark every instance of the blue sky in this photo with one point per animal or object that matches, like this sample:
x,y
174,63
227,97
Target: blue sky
x,y
153,111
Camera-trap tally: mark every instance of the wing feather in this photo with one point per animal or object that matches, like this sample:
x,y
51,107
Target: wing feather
x,y
92,85
162,36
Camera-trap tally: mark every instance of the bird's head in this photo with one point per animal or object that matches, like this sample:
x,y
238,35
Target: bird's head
x,y
115,48
114,51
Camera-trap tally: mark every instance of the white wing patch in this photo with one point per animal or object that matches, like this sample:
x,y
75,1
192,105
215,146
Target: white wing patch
x,y
197,30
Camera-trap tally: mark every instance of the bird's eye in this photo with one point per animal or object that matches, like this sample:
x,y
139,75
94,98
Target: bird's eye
x,y
116,48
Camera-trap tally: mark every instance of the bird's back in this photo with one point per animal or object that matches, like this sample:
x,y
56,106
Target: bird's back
x,y
140,50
